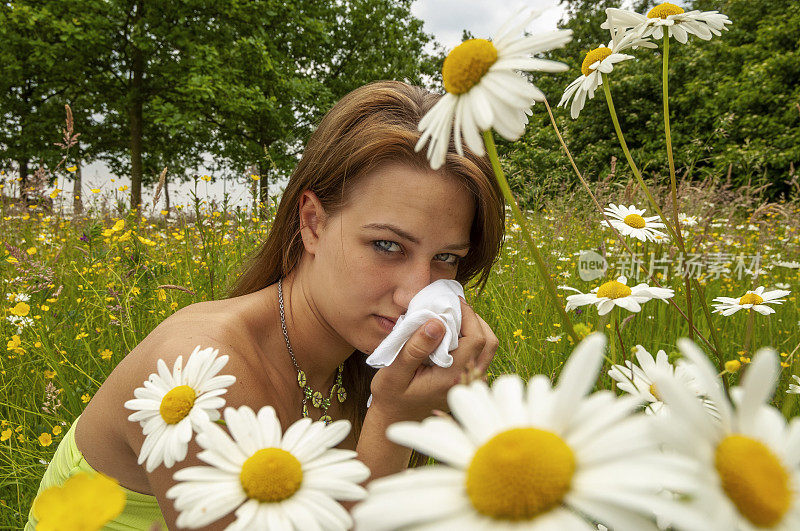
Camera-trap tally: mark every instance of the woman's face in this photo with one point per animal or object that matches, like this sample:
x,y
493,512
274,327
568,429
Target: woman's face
x,y
402,229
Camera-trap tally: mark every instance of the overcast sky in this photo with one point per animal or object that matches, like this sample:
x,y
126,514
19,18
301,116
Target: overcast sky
x,y
445,19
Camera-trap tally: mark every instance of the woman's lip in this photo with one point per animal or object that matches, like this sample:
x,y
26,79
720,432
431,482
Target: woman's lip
x,y
385,322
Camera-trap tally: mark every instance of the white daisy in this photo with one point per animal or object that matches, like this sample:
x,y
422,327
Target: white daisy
x,y
599,61
748,476
795,387
754,299
553,339
535,458
617,293
629,221
19,322
273,480
679,23
688,221
788,265
485,90
638,379
171,406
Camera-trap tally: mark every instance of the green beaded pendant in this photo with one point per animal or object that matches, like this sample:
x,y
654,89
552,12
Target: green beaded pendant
x,y
326,419
307,392
316,399
341,394
301,378
326,403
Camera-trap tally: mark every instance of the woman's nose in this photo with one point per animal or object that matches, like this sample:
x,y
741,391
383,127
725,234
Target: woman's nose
x,y
411,281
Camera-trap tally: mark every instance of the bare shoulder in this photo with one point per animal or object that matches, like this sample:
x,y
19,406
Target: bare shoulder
x,y
201,325
206,328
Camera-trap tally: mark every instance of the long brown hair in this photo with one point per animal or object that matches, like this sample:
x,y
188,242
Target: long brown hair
x,y
370,126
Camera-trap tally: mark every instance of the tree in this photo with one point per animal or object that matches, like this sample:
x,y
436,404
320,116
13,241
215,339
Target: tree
x,y
33,70
270,83
732,102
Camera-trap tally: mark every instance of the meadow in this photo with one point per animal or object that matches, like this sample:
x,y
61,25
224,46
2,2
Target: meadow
x,y
79,292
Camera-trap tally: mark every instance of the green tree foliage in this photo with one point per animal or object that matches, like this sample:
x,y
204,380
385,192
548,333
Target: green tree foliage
x,y
273,80
733,102
161,83
34,64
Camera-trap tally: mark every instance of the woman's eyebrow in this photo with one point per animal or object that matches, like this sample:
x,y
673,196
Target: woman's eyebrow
x,y
403,234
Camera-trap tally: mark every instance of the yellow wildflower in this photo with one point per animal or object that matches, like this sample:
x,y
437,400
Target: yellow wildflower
x,y
45,439
162,295
255,177
106,354
56,430
85,397
21,309
95,190
72,169
731,366
81,336
49,374
55,193
84,501
6,434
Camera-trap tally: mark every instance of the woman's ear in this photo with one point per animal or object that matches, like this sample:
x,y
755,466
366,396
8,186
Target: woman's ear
x,y
312,220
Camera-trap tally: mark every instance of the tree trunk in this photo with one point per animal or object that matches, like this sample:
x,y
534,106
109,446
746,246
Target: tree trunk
x,y
23,183
77,202
135,118
263,187
166,196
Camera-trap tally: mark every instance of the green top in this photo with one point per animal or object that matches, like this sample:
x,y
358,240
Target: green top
x,y
141,510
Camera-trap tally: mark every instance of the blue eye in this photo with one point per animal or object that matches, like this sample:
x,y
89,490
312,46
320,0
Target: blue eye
x,y
378,246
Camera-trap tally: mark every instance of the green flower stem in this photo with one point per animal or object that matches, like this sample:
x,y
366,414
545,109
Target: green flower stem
x,y
671,159
621,345
521,221
615,231
748,338
634,169
791,400
718,351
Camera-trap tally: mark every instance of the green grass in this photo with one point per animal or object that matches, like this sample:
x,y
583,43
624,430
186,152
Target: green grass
x,y
108,299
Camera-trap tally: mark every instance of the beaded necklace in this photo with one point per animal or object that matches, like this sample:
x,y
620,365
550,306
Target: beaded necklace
x,y
316,398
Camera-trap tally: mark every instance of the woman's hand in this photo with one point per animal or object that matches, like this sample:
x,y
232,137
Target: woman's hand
x,y
410,390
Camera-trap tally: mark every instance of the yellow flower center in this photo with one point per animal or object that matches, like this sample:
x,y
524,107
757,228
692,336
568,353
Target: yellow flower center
x,y
664,10
598,54
519,474
177,403
634,220
754,479
466,65
613,290
654,392
271,475
751,298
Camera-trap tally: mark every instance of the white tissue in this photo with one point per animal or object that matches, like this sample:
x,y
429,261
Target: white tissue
x,y
438,300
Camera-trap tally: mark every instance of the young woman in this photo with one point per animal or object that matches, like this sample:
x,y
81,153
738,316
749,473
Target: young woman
x,y
363,225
